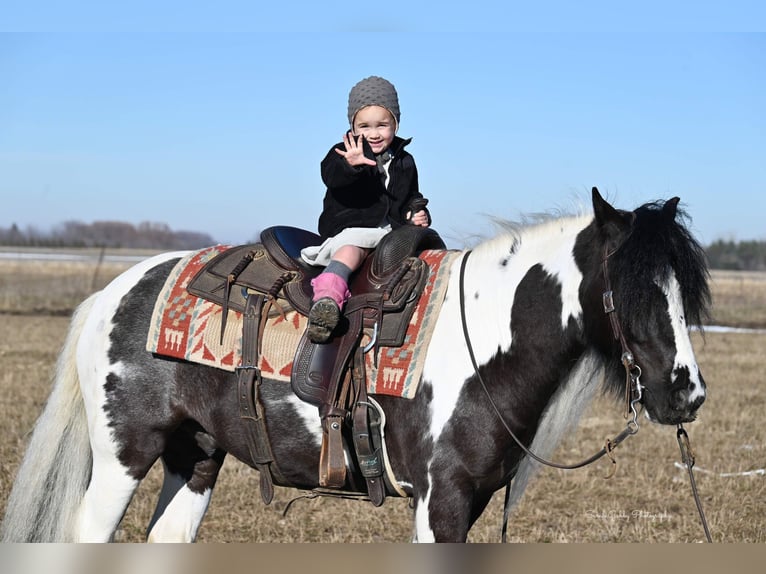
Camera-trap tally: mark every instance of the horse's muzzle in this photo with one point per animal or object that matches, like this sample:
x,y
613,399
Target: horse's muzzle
x,y
681,408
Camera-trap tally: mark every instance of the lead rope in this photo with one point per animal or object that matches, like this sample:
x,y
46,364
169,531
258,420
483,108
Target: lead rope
x,y
687,456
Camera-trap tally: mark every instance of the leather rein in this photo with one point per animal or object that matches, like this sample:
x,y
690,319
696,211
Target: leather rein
x,y
632,374
633,394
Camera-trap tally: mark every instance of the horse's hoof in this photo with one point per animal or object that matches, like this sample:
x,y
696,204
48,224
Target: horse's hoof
x,y
323,318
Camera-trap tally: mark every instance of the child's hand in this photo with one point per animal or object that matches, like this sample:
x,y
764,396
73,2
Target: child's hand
x,y
354,152
420,218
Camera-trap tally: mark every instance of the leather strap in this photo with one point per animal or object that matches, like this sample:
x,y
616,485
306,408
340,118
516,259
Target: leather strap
x,y
332,462
230,280
250,406
333,408
370,459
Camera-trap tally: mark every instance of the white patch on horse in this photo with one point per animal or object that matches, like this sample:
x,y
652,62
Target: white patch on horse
x,y
685,357
565,270
108,494
308,414
423,531
450,367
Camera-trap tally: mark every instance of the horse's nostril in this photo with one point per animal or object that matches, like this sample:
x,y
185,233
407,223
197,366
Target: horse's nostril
x,y
697,403
679,399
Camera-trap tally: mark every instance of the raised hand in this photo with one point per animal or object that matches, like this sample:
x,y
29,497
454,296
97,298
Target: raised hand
x,y
354,152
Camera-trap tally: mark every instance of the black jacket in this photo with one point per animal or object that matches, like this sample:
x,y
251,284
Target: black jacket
x,y
356,195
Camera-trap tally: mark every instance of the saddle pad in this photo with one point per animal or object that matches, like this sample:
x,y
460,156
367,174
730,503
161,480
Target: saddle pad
x,y
187,327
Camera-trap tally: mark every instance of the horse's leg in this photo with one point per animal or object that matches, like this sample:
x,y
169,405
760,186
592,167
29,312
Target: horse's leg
x,y
192,463
480,502
119,465
445,513
109,492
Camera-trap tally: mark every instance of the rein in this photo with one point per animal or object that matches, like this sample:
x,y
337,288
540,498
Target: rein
x,y
633,393
632,370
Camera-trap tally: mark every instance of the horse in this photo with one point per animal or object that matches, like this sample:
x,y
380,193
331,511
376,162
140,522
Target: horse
x,y
549,309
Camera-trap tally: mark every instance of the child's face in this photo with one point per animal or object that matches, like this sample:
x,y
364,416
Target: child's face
x,y
377,125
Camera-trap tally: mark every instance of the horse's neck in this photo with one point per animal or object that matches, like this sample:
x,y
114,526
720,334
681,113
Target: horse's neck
x,y
548,244
500,265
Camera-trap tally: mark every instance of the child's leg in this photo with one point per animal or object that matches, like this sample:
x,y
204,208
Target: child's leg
x,y
350,255
331,292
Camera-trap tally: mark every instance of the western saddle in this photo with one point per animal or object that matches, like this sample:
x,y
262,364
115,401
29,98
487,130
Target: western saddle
x,y
268,277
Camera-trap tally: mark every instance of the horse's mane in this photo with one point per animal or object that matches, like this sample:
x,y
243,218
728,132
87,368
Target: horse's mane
x,y
656,245
528,224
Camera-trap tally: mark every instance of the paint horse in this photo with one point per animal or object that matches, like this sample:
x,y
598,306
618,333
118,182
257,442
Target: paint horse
x,y
532,301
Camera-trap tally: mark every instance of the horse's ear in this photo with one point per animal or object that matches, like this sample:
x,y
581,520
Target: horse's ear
x,y
671,207
611,221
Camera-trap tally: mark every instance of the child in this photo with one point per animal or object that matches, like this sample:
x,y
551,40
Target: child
x,y
372,188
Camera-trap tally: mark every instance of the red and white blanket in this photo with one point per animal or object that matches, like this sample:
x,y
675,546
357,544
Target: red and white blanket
x,y
187,327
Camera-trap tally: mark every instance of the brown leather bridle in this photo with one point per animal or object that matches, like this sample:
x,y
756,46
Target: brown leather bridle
x,y
632,370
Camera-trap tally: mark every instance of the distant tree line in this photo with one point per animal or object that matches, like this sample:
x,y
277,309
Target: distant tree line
x,y
145,235
738,255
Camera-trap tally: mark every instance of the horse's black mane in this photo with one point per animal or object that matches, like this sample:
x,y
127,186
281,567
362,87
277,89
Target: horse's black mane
x,y
659,241
657,244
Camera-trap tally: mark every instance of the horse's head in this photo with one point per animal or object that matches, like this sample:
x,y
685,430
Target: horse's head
x,y
659,281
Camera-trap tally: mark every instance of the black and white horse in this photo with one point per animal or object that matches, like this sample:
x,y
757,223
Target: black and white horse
x,y
534,313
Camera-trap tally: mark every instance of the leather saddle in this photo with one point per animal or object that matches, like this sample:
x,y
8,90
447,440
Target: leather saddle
x,y
270,275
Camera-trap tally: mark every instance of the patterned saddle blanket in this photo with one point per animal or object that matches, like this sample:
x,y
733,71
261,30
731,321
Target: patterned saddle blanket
x,y
187,327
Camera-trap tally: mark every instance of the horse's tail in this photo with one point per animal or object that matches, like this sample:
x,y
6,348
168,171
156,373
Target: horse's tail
x,y
56,468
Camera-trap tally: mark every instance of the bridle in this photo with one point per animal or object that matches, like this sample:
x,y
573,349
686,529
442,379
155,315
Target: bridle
x,y
633,395
632,370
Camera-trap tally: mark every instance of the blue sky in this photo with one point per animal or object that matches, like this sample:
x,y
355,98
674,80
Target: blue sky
x,y
223,132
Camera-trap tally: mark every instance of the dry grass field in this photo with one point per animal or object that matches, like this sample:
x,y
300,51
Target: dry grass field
x,y
648,500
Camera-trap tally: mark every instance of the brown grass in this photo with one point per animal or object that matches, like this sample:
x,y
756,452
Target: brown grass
x,y
648,500
51,287
739,298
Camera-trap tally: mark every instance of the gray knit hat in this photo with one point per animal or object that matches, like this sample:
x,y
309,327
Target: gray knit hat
x,y
373,91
